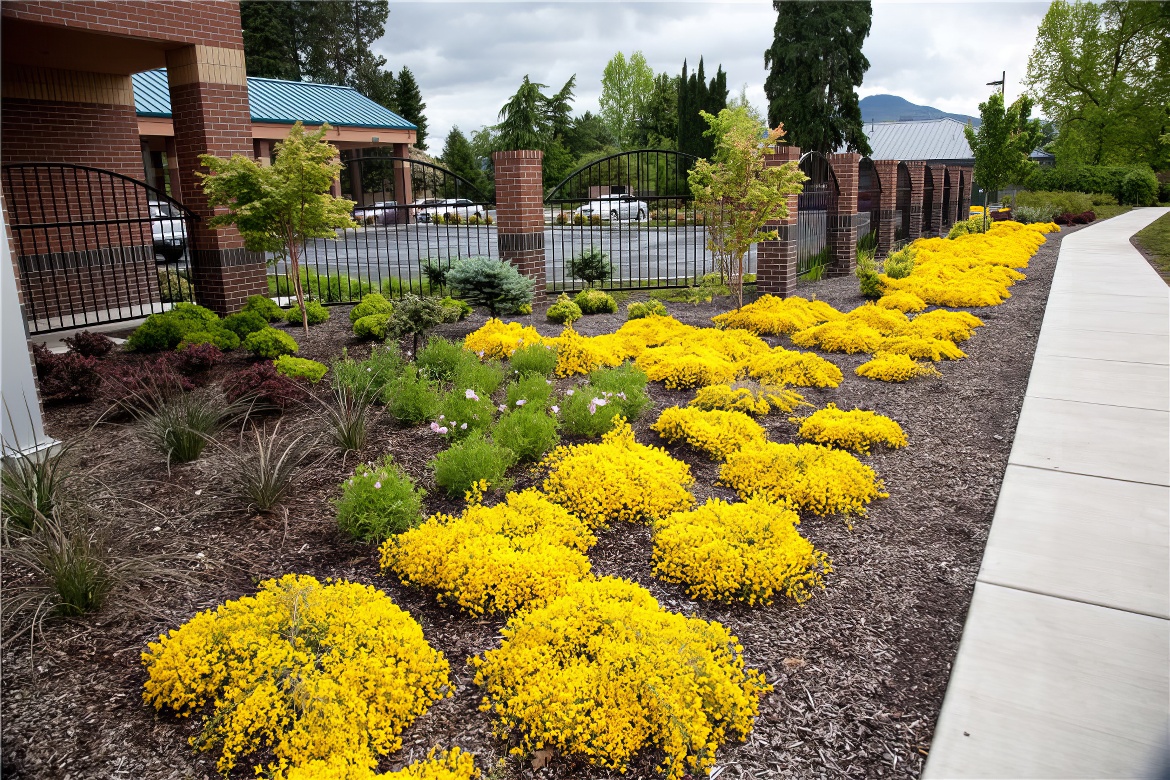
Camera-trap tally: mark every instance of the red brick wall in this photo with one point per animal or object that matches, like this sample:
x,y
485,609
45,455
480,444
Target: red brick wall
x,y
887,171
776,260
938,217
208,22
951,206
520,213
96,281
917,175
82,133
842,236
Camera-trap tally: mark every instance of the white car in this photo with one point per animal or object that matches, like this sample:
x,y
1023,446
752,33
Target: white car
x,y
615,207
433,207
167,230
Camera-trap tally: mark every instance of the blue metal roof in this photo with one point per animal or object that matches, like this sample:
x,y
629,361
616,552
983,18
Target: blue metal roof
x,y
282,102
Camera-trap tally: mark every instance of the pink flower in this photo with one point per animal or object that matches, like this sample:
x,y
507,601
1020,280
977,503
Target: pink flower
x,y
600,401
470,394
435,427
570,391
463,427
548,381
521,402
592,408
378,485
503,407
442,429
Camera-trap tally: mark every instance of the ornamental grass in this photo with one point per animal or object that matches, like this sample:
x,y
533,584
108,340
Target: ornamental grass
x,y
604,673
746,552
821,480
617,479
888,367
522,551
855,429
749,398
715,433
780,366
771,315
301,671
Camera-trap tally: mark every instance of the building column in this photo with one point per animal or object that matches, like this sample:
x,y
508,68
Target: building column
x,y
887,172
520,213
917,182
776,260
209,103
939,173
951,207
965,192
842,233
403,184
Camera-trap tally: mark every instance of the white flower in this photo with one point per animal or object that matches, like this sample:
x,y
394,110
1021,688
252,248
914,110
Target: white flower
x,y
199,492
156,528
378,485
442,429
548,381
570,391
503,407
600,401
441,416
470,394
463,427
555,409
521,402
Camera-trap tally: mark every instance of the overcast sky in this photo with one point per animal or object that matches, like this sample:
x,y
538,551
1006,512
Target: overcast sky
x,y
469,58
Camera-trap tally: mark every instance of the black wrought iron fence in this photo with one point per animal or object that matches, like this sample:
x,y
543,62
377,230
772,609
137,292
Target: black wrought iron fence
x,y
411,214
902,204
930,217
94,246
812,216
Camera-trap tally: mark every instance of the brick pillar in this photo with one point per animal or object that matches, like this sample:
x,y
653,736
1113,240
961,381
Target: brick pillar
x,y
209,102
842,234
887,172
520,213
917,182
776,260
952,205
939,172
965,192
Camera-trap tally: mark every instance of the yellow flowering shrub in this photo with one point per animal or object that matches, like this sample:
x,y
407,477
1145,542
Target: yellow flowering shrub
x,y
716,433
779,366
738,552
772,315
822,480
617,479
604,673
843,335
523,550
888,367
679,366
856,429
921,348
749,400
887,322
447,765
304,670
952,326
575,354
901,301
496,340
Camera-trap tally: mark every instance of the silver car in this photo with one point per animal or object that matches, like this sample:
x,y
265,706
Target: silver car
x,y
168,231
433,207
384,212
615,207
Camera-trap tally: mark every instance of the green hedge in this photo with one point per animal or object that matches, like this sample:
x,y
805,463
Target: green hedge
x,y
1131,184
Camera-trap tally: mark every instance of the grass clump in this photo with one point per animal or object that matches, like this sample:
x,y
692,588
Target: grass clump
x,y
181,427
412,398
262,472
531,391
464,412
378,501
590,409
534,359
32,487
475,461
528,432
441,358
270,343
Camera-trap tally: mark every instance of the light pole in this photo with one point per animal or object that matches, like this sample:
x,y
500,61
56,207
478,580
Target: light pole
x,y
1001,84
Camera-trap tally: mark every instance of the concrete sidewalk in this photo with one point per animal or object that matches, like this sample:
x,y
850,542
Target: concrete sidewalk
x,y
1064,666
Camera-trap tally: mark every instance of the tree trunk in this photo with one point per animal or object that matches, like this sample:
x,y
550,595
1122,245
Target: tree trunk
x,y
295,263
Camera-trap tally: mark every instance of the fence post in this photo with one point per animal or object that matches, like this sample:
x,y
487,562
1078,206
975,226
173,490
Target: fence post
x,y
939,174
776,260
887,172
966,174
520,213
951,207
842,233
917,183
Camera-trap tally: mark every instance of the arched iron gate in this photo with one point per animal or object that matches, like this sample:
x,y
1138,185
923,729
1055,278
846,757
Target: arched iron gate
x,y
95,246
902,204
947,218
637,208
410,214
812,215
869,197
929,217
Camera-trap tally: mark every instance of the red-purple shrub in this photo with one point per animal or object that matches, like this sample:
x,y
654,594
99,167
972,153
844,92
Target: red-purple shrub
x,y
195,359
262,384
89,344
1068,218
147,383
67,378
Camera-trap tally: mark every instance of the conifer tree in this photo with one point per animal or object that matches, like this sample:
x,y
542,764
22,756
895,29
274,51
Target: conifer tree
x,y
410,104
459,158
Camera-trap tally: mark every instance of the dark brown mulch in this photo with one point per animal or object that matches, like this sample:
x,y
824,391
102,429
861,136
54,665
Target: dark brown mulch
x,y
859,671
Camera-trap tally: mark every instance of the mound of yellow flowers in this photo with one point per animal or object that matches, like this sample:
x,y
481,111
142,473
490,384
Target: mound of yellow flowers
x,y
757,400
856,429
888,367
716,433
772,315
448,765
308,671
603,673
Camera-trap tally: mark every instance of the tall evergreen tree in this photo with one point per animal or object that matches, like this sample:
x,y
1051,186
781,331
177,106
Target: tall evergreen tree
x,y
459,158
658,126
816,65
408,98
697,94
272,34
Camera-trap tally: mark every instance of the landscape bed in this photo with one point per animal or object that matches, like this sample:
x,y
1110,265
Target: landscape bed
x,y
859,669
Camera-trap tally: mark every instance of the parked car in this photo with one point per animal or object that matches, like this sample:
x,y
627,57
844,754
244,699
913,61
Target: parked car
x,y
167,230
433,207
615,207
383,212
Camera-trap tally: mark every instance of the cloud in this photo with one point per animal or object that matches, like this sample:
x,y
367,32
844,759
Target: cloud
x,y
469,58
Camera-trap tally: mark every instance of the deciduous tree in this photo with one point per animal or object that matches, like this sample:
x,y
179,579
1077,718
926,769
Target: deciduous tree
x,y
1003,142
626,86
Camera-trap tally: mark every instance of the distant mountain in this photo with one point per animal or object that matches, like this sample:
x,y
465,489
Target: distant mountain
x,y
891,108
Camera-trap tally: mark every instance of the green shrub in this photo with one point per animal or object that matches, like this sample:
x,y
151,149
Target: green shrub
x,y
317,314
534,359
485,378
415,316
899,264
300,368
223,338
383,366
1058,202
458,310
595,302
1032,214
328,288
374,303
378,501
166,330
412,399
589,410
628,383
867,275
372,326
441,358
1103,199
244,322
474,459
270,343
265,307
564,311
530,390
1134,185
463,413
435,273
394,287
966,227
174,286
494,284
591,266
640,309
528,432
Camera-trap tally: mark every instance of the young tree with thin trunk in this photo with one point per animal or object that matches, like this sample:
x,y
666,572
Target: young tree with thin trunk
x,y
626,86
1003,143
737,192
278,207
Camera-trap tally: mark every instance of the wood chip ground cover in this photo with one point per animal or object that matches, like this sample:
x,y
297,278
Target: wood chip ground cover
x,y
859,671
